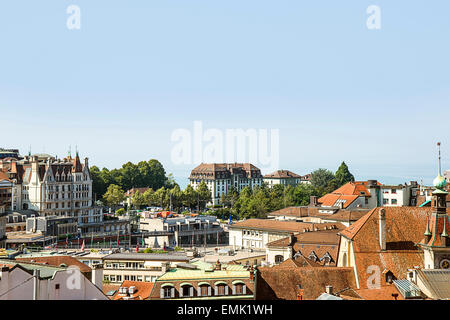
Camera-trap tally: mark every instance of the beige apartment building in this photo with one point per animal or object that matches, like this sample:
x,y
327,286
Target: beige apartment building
x,y
118,267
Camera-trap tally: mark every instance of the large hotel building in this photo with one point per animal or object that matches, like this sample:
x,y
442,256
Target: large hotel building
x,y
220,177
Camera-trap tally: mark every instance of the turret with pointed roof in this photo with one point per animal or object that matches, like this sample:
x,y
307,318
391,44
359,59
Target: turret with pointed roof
x,y
436,244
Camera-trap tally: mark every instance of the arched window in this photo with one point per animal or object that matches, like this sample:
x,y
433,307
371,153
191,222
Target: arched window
x,y
186,290
167,291
279,259
204,289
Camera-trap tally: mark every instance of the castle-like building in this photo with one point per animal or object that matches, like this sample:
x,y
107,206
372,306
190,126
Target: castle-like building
x,y
54,187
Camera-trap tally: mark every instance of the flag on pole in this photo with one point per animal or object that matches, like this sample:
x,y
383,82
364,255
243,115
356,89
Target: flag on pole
x,y
118,235
110,244
237,218
67,238
82,246
223,217
137,247
230,218
143,242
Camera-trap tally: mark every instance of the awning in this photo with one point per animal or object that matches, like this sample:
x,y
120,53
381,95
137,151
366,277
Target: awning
x,y
186,284
167,285
203,284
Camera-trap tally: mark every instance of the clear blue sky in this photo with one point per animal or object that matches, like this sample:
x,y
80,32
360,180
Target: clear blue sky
x,y
139,69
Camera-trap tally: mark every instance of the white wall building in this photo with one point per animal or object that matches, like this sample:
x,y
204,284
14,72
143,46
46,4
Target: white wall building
x,y
20,282
220,177
54,187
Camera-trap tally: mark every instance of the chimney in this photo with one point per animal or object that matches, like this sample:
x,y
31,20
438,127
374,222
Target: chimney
x,y
252,273
291,239
313,201
4,274
300,292
329,289
97,275
36,275
35,164
164,267
382,228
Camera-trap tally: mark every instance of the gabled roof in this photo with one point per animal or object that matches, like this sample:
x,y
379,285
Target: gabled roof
x,y
58,261
405,227
277,225
437,282
142,290
347,194
282,174
282,283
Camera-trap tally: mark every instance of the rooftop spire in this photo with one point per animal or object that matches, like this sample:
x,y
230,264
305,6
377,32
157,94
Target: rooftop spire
x,y
440,183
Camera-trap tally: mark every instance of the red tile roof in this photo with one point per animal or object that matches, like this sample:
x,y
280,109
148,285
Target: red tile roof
x,y
282,226
142,290
282,174
282,283
405,227
56,261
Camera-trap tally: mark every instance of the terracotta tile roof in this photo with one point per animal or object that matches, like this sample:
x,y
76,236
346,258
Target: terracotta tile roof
x,y
330,199
276,225
282,174
282,283
56,261
405,227
142,290
384,292
110,287
315,237
224,170
299,262
348,192
291,211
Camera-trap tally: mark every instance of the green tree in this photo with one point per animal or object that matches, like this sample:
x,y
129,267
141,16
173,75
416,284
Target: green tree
x,y
149,196
160,197
189,197
138,200
114,195
343,175
321,179
302,194
203,195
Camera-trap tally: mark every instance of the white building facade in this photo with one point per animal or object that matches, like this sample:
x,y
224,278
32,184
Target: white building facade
x,y
220,177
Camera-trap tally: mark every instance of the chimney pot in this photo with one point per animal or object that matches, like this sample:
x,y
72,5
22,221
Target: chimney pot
x,y
329,289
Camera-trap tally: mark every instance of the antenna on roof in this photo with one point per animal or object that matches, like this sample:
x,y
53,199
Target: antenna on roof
x,y
29,151
70,151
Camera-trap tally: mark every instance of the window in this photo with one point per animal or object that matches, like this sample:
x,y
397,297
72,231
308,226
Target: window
x,y
385,201
279,259
221,290
167,292
239,288
204,290
394,201
394,191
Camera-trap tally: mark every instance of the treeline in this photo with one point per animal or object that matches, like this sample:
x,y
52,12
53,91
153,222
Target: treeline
x,y
257,202
249,203
144,174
